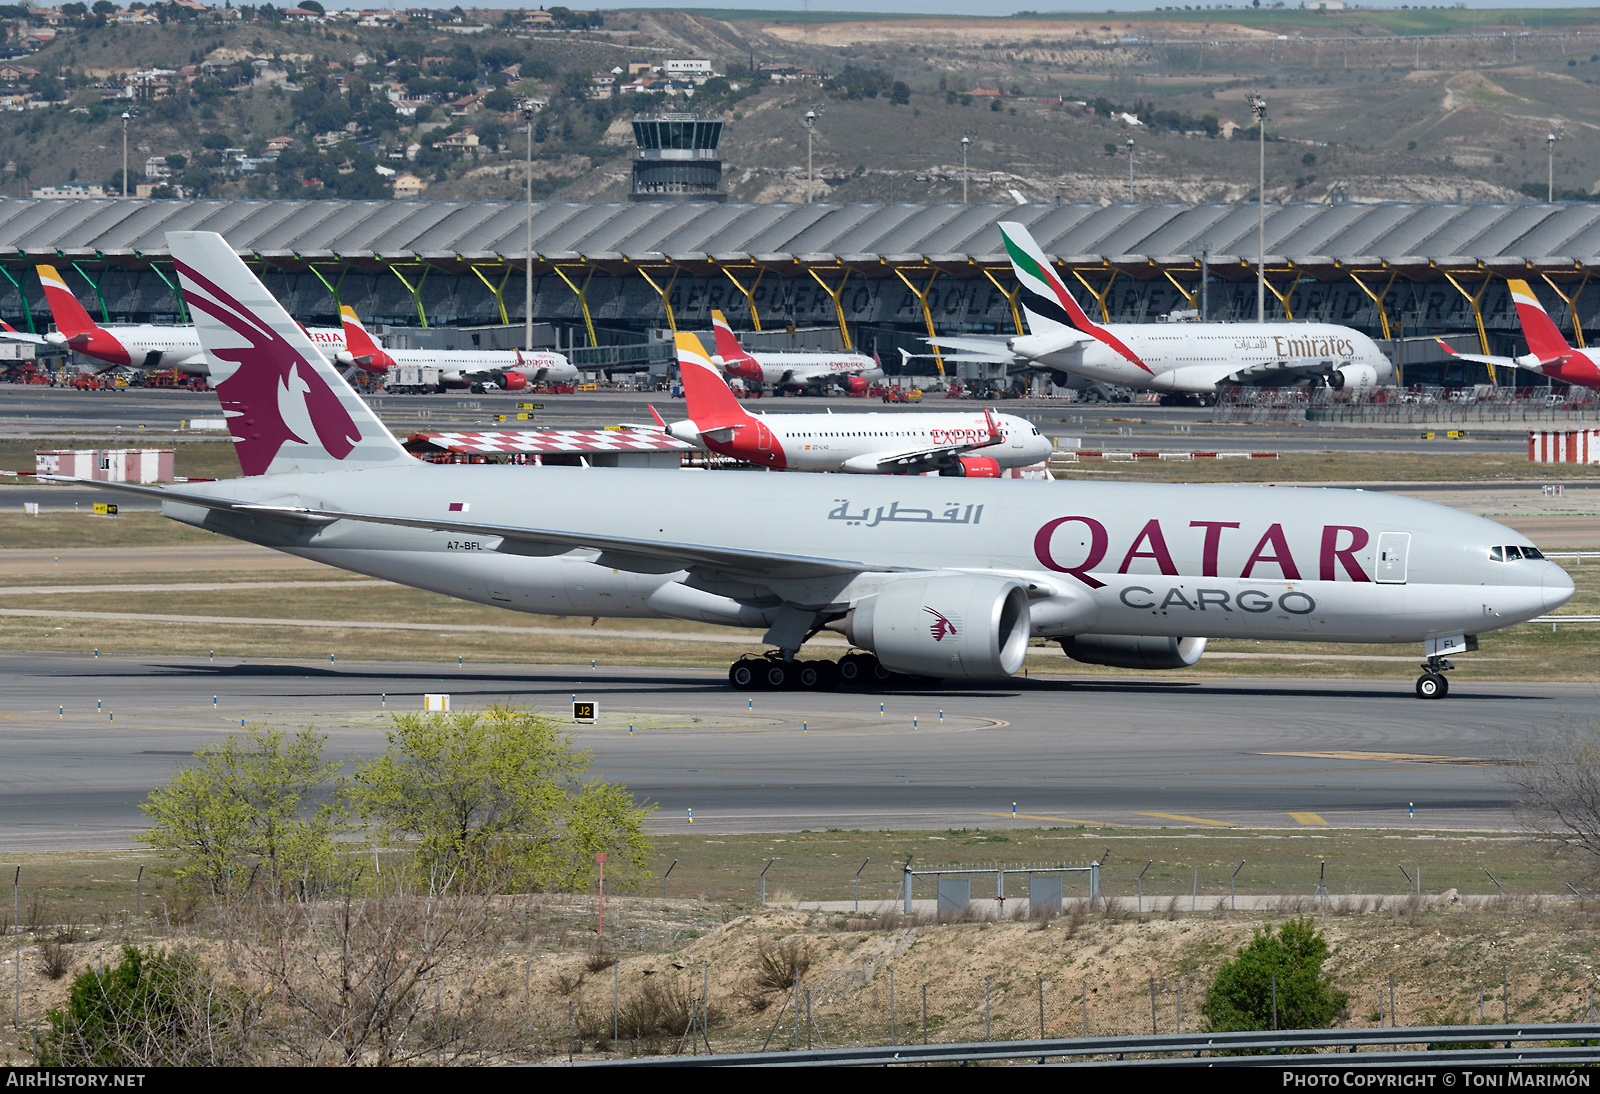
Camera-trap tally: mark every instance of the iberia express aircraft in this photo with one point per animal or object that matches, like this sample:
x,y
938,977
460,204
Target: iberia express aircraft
x,y
142,345
791,371
966,444
510,370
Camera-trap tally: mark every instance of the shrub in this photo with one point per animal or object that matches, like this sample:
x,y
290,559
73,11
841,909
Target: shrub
x,y
1241,996
152,1009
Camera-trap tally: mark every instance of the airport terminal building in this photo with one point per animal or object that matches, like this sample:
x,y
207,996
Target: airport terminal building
x,y
870,275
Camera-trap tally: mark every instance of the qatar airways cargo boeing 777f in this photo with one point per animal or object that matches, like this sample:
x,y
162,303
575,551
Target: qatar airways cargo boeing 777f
x,y
932,577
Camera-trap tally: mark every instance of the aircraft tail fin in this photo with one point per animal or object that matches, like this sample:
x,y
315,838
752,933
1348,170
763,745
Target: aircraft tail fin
x,y
1045,298
287,407
708,399
1050,307
1545,340
359,344
68,314
728,347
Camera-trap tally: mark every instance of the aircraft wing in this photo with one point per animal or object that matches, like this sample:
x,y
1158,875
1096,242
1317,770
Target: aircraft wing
x,y
975,349
1493,362
19,336
621,552
913,461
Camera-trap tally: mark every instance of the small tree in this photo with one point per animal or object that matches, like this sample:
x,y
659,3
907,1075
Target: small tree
x,y
152,1009
499,797
1558,793
1241,996
244,808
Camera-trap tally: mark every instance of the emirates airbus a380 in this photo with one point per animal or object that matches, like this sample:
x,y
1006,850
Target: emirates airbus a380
x,y
927,577
140,345
959,444
1192,358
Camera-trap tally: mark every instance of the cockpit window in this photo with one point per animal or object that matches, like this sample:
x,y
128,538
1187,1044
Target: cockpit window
x,y
1497,554
1513,553
1531,552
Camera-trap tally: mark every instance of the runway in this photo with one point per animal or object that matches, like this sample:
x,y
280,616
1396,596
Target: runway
x,y
1161,751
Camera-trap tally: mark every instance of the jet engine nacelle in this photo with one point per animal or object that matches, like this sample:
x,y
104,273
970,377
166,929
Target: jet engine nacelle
x,y
1358,377
1134,651
511,381
972,467
856,385
960,626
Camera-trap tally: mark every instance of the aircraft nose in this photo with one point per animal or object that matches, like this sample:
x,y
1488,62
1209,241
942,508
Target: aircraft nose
x,y
1558,587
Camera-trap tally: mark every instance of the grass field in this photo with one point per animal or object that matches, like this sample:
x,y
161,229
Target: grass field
x,y
724,868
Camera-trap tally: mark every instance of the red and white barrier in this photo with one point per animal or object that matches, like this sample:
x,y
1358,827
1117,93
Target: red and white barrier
x,y
1564,446
107,465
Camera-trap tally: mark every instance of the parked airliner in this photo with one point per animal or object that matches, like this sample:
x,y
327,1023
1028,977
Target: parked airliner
x,y
975,445
140,345
1191,358
510,370
788,371
1549,352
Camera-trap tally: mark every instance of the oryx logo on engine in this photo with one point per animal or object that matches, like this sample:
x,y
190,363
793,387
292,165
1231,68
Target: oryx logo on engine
x,y
940,626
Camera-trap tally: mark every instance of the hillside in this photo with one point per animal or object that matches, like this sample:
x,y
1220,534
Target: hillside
x,y
1425,105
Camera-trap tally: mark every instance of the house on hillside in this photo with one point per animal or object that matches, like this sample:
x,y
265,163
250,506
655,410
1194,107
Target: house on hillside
x,y
463,141
408,186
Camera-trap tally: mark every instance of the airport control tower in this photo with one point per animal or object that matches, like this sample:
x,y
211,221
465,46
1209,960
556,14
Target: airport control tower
x,y
677,159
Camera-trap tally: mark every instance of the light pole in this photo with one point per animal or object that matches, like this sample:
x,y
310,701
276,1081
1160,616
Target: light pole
x,y
1130,170
1550,157
1205,280
528,111
811,121
125,117
1258,106
965,142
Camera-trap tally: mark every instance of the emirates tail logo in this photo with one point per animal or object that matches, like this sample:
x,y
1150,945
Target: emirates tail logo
x,y
940,626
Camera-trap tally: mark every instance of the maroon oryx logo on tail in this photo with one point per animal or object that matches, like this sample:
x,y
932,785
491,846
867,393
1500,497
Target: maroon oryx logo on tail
x,y
940,626
271,377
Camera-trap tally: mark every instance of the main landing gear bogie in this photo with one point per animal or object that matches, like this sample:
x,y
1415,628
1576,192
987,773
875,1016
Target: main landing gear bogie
x,y
856,671
1432,683
773,673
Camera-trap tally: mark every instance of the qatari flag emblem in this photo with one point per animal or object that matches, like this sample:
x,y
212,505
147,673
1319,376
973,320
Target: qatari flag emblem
x,y
459,506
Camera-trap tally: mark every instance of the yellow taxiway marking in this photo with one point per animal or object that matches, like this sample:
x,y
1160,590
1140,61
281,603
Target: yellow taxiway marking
x,y
1191,820
1309,818
1392,757
1058,820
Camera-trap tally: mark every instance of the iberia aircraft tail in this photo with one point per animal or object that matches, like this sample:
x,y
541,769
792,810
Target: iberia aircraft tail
x,y
70,318
707,398
363,350
1545,340
1045,299
728,347
287,407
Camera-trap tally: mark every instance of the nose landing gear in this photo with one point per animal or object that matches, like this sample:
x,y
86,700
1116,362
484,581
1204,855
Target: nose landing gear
x,y
1432,683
